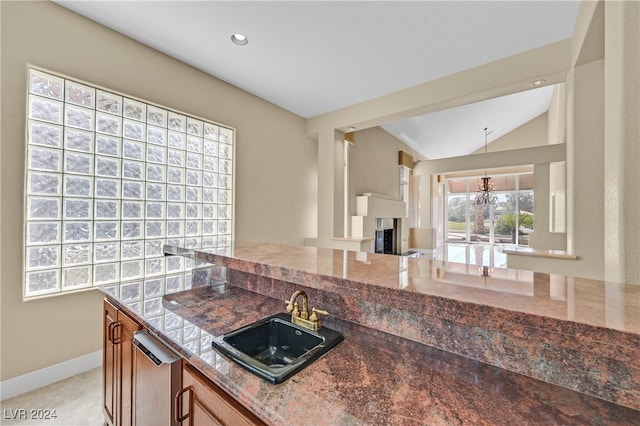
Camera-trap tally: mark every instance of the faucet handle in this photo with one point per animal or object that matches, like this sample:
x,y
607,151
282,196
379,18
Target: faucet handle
x,y
315,311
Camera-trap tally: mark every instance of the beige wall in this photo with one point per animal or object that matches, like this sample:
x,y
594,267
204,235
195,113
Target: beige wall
x,y
271,149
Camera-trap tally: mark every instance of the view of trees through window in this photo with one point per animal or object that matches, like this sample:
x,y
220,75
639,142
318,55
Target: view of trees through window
x,y
509,221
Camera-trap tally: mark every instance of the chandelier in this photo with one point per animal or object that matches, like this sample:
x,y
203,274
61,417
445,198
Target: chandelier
x,y
486,193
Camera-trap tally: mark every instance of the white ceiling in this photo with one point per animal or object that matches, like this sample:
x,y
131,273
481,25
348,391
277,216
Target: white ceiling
x,y
313,57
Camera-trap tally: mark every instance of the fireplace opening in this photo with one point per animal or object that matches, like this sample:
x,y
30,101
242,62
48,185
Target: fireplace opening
x,y
386,236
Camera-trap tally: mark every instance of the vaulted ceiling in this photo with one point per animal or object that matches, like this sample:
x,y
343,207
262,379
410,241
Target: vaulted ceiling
x,y
314,57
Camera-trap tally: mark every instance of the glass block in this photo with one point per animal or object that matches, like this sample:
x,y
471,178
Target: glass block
x,y
133,150
108,102
42,282
209,195
209,180
136,307
80,94
224,211
107,188
43,257
153,288
224,166
78,163
156,322
194,126
45,134
45,84
132,170
155,211
194,144
43,208
194,194
132,209
44,184
175,193
43,232
175,175
131,230
131,292
177,121
107,145
209,212
45,109
133,130
224,227
106,252
209,227
192,227
156,116
210,131
105,231
109,124
193,211
105,273
224,181
76,232
225,151
224,196
194,161
175,157
174,264
79,186
154,229
224,241
107,167
155,172
79,277
156,154
132,190
156,135
210,164
45,159
155,191
79,117
175,211
78,140
205,340
153,307
210,148
153,248
171,320
131,270
135,110
76,254
76,208
176,140
131,249
175,241
106,209
209,242
154,266
194,177
192,242
225,135
175,228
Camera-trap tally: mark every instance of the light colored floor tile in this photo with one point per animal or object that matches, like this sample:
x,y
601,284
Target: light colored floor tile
x,y
77,401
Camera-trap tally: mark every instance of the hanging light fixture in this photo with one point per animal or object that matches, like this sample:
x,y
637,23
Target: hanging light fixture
x,y
486,193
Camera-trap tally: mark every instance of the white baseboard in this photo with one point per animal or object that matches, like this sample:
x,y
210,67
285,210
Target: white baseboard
x,y
45,376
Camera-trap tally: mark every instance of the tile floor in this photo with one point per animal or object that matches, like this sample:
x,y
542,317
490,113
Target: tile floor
x,y
77,401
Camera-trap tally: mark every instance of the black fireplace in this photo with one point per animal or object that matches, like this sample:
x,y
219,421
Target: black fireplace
x,y
386,236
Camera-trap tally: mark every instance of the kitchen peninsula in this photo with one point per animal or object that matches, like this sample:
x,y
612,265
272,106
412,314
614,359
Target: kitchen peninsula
x,y
406,327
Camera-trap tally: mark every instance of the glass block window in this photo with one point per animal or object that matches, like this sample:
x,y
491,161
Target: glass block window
x,y
111,179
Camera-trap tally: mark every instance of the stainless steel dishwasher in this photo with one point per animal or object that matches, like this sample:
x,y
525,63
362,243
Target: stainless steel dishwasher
x,y
157,379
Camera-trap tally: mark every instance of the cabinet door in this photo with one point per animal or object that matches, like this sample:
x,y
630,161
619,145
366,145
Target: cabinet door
x,y
109,368
210,405
126,352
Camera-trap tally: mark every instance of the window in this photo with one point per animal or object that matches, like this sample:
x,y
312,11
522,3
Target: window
x,y
110,179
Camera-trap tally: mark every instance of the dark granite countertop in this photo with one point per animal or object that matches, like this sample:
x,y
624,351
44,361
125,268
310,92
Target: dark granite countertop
x,y
371,378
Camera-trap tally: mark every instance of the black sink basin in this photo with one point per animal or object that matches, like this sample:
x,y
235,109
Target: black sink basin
x,y
274,348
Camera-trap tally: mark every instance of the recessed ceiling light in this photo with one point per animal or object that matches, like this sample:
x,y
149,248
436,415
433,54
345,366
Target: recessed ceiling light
x,y
352,128
239,39
537,83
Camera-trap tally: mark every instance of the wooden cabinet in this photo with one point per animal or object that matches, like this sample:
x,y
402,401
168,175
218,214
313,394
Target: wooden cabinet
x,y
202,403
117,366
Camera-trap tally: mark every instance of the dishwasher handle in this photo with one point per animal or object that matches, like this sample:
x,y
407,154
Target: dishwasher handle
x,y
153,349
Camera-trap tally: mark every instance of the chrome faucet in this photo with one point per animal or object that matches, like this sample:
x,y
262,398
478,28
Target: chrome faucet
x,y
302,317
